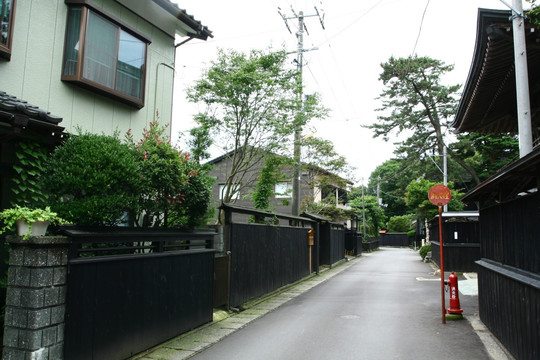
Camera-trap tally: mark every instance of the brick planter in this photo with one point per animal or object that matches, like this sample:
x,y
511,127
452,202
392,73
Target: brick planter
x,y
36,298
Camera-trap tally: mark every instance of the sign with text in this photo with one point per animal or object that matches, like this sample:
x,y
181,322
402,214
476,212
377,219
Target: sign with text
x,y
439,195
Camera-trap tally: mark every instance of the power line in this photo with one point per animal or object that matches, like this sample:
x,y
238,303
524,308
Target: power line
x,y
351,24
420,29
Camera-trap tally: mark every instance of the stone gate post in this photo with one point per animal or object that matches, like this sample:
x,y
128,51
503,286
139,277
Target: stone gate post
x,y
36,298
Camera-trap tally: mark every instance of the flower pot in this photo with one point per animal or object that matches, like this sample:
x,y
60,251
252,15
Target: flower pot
x,y
38,228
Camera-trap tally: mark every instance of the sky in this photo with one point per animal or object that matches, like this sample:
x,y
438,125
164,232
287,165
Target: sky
x,y
357,37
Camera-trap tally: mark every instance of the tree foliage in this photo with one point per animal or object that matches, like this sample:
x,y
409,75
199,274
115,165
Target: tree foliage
x,y
415,104
320,153
253,108
375,217
487,153
391,178
399,223
173,190
250,100
417,198
92,180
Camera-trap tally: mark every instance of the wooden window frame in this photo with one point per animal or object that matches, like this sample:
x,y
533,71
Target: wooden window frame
x,y
79,79
5,50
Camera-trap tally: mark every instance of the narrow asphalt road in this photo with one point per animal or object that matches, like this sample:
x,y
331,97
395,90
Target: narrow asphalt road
x,y
386,306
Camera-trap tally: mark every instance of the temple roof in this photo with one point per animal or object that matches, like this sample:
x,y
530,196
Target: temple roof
x,y
488,101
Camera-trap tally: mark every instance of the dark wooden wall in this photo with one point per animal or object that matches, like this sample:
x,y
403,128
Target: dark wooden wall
x,y
509,274
117,307
394,239
265,258
461,244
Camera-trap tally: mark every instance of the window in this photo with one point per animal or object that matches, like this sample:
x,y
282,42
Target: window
x,y
105,55
223,190
7,9
283,190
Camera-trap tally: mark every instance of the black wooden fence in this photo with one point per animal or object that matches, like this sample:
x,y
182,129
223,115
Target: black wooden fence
x,y
131,290
353,242
394,239
267,257
461,235
332,239
371,244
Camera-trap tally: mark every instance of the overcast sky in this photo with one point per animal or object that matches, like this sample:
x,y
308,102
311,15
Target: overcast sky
x,y
359,35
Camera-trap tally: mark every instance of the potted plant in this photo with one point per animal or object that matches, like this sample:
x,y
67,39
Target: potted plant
x,y
29,222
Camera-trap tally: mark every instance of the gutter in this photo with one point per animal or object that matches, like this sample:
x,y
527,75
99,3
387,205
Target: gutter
x,y
201,32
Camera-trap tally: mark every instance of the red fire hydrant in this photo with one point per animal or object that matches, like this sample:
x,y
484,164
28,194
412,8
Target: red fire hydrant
x,y
455,307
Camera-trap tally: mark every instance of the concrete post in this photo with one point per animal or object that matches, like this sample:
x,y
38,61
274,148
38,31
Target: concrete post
x,y
36,298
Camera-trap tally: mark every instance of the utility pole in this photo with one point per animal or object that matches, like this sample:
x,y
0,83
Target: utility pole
x,y
522,78
298,131
445,173
379,200
364,234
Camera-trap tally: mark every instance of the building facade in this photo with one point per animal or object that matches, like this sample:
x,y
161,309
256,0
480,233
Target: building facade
x,y
100,66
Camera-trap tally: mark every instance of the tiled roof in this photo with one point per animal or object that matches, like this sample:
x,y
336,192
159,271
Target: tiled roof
x,y
488,100
18,118
15,106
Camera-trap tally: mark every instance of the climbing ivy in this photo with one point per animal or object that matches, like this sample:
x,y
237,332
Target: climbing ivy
x,y
28,167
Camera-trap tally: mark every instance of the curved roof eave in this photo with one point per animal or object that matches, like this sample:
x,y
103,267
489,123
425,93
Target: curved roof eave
x,y
488,104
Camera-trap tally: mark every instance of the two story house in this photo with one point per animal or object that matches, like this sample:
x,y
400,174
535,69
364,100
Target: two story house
x,y
101,66
316,184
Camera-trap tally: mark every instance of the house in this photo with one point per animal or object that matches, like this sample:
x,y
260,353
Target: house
x,y
509,201
311,187
101,66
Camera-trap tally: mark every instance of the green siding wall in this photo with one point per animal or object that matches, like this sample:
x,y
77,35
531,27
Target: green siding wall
x,y
34,72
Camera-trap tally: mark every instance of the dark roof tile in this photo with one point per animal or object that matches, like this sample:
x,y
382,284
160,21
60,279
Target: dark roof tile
x,y
14,105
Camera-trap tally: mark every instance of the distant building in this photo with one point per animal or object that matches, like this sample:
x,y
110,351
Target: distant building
x,y
310,188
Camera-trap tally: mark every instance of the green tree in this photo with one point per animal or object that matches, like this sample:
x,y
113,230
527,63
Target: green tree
x,y
534,13
390,180
375,217
200,141
320,153
399,223
417,198
487,153
417,105
251,100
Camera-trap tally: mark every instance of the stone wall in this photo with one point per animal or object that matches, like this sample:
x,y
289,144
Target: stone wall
x,y
36,298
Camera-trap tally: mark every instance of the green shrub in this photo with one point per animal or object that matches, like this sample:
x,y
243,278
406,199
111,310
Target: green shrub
x,y
175,192
92,180
424,250
195,208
